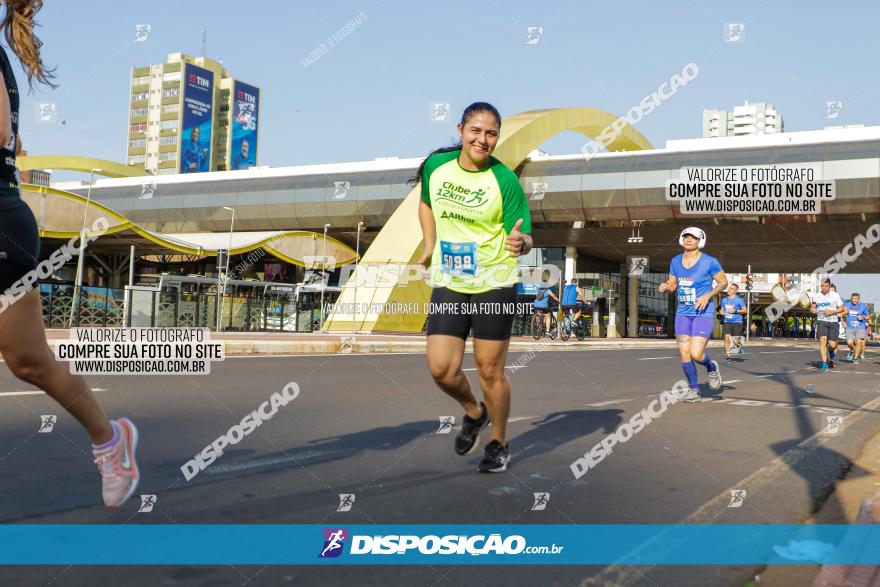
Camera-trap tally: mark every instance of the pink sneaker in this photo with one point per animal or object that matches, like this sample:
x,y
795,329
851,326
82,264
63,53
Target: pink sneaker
x,y
117,465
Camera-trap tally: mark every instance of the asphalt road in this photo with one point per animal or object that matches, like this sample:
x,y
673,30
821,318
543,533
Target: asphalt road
x,y
367,425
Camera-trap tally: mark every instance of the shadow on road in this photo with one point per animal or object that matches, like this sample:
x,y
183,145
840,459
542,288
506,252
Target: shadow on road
x,y
560,428
819,466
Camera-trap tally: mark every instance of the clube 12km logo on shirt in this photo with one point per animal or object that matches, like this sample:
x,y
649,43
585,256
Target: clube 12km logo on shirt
x,y
335,538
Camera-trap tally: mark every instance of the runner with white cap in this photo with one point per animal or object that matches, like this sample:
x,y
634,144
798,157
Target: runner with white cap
x,y
691,275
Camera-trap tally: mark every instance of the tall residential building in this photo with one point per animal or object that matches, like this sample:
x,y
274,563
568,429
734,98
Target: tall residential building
x,y
188,115
35,176
748,119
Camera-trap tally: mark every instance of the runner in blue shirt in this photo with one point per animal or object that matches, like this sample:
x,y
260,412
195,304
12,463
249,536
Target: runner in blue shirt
x,y
690,276
733,308
571,295
542,304
856,327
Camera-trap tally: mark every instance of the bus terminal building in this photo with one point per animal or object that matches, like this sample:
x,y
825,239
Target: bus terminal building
x,y
590,216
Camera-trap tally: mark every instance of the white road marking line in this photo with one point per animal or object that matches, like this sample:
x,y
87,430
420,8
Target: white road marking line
x,y
506,367
731,381
769,375
38,392
520,418
609,402
709,511
655,358
268,461
780,352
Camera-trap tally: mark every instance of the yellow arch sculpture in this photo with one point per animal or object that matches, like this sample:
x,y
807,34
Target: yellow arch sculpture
x,y
399,242
65,210
73,163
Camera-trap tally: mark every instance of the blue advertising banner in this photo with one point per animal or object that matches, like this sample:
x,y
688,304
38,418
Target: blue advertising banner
x,y
245,111
195,132
527,288
439,544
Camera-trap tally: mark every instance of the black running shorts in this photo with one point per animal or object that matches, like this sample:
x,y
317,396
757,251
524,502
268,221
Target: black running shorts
x,y
489,314
732,328
19,240
829,329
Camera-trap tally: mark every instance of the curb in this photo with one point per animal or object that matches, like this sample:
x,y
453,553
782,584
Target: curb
x,y
859,498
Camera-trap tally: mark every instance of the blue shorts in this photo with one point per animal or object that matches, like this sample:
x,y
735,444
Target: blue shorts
x,y
694,326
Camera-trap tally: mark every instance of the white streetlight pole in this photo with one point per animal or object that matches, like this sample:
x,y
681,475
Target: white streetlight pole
x,y
357,260
225,271
323,283
82,249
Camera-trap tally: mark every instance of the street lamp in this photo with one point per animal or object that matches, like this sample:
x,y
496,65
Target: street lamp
x,y
82,248
357,259
323,283
226,270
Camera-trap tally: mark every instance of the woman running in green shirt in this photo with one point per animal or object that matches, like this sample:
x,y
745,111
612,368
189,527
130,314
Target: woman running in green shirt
x,y
475,223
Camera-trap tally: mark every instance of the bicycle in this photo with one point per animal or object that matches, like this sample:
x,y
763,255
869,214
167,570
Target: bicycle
x,y
538,330
579,328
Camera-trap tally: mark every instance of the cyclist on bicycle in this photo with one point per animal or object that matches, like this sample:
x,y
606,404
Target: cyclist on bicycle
x,y
571,295
542,304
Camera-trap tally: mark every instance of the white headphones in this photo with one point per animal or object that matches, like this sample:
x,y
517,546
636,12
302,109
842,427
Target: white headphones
x,y
693,231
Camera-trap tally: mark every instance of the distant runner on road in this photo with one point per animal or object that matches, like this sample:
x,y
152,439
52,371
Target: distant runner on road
x,y
691,275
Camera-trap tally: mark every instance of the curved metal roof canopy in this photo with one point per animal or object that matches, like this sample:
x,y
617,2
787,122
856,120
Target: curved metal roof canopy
x,y
73,163
60,215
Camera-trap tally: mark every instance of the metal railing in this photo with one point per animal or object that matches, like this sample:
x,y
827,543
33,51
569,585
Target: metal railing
x,y
101,306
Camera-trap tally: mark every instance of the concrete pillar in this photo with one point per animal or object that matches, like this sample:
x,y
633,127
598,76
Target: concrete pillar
x,y
632,297
570,258
621,304
612,316
617,309
597,326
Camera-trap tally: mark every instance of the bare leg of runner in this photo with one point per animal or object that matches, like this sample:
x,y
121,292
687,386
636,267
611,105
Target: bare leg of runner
x,y
445,355
823,348
490,356
697,348
24,348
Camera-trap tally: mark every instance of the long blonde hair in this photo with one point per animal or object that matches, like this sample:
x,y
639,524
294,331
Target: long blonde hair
x,y
18,26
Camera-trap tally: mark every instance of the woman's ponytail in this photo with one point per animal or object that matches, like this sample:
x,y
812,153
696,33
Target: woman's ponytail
x,y
18,26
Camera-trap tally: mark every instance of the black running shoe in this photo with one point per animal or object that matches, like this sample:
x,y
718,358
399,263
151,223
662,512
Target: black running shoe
x,y
466,439
496,459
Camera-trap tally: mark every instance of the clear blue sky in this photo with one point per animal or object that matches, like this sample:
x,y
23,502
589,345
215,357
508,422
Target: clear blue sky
x,y
370,95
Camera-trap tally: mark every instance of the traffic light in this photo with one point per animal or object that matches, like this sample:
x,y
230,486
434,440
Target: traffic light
x,y
749,282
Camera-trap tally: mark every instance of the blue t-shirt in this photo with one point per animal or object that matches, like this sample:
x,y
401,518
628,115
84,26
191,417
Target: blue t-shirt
x,y
853,313
693,283
543,303
194,153
570,295
730,306
240,162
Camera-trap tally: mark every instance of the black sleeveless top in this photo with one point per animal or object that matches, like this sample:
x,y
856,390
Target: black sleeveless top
x,y
8,172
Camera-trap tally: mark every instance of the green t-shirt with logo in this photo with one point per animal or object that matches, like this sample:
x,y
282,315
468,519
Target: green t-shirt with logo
x,y
474,212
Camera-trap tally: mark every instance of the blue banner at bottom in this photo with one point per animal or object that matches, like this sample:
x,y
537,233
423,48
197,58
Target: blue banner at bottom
x,y
527,544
